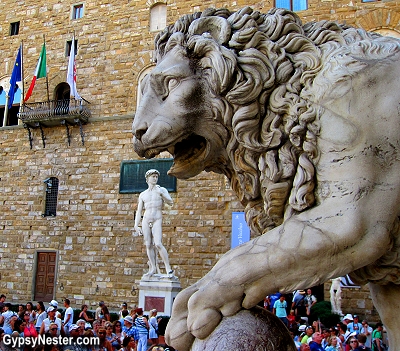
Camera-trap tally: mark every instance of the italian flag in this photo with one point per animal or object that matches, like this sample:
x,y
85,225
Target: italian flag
x,y
40,72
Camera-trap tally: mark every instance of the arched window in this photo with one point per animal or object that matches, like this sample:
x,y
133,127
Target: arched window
x,y
62,94
158,17
12,114
2,96
62,91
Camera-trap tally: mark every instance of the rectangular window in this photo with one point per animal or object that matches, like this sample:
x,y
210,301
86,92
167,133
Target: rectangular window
x,y
50,197
77,11
292,5
158,17
68,47
14,28
132,177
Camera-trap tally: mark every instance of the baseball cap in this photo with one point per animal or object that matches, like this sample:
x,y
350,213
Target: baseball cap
x,y
129,319
51,309
53,303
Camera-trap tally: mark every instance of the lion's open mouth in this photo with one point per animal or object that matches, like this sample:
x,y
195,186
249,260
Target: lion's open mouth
x,y
190,148
189,155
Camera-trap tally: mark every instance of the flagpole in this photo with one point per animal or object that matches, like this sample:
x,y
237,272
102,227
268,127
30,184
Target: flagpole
x,y
5,112
47,76
5,117
21,100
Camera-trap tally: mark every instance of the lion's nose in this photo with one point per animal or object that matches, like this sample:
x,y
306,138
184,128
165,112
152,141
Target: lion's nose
x,y
139,129
139,133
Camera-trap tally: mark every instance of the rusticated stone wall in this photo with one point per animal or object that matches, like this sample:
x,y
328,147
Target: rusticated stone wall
x,y
98,258
92,231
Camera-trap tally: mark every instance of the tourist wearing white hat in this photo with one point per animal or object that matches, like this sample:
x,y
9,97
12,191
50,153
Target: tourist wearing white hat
x,y
129,328
347,318
54,303
51,318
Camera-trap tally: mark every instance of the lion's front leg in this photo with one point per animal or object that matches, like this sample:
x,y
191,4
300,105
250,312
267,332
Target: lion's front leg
x,y
198,309
271,262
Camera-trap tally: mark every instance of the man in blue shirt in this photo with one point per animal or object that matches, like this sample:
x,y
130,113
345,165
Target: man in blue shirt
x,y
355,326
315,344
280,309
129,329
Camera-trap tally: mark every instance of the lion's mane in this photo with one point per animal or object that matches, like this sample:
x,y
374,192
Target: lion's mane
x,y
261,69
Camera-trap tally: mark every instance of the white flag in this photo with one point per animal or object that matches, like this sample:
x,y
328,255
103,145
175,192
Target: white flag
x,y
71,73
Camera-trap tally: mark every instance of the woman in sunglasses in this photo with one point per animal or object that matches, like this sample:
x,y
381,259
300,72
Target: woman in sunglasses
x,y
29,329
104,345
353,343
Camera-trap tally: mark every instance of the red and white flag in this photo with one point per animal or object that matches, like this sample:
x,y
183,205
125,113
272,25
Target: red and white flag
x,y
71,72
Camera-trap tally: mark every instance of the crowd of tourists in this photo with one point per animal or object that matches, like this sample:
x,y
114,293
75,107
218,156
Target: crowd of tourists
x,y
45,328
349,334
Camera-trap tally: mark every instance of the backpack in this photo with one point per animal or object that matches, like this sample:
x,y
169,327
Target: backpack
x,y
374,345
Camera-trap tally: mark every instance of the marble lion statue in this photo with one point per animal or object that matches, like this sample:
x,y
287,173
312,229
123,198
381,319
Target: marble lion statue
x,y
304,121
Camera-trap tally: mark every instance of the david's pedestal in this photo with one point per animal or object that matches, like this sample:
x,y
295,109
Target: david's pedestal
x,y
158,291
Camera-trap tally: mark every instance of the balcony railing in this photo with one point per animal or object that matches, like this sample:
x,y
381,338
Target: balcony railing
x,y
55,112
66,112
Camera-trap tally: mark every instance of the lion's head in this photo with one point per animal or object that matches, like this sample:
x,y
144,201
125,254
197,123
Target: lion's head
x,y
231,93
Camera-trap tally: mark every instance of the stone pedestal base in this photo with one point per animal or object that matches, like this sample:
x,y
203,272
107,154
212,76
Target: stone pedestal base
x,y
158,291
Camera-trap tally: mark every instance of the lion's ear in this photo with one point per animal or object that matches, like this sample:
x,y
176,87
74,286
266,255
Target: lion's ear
x,y
219,28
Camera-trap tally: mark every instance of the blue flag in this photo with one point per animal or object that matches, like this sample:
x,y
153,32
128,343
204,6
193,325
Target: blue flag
x,y
16,76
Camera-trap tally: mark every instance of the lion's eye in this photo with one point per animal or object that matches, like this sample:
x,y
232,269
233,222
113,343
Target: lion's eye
x,y
172,83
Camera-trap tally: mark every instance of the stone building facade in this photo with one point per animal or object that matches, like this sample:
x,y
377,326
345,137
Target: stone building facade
x,y
88,244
